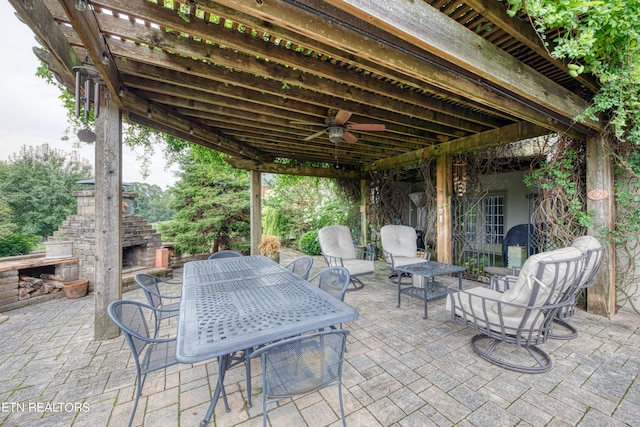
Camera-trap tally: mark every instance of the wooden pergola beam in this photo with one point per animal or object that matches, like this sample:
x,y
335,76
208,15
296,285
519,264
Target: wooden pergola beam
x,y
300,170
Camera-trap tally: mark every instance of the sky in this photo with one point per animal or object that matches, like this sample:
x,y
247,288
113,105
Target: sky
x,y
31,113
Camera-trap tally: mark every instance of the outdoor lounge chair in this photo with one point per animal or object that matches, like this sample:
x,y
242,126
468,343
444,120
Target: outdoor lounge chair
x,y
521,314
594,252
338,250
151,286
301,266
400,247
301,365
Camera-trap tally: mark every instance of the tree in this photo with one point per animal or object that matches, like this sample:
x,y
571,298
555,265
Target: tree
x,y
151,203
211,203
37,185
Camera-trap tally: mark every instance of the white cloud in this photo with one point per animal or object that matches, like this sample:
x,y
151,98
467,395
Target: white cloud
x,y
31,112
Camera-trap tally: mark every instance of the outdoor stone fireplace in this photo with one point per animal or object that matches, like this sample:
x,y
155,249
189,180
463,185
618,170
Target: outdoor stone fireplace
x,y
139,239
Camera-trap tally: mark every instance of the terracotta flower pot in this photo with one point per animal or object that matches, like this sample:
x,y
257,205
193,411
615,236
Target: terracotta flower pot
x,y
76,288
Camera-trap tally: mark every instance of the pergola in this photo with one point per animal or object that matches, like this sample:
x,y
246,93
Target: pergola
x,y
255,78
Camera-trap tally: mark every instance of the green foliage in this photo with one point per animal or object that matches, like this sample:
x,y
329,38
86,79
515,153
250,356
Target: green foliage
x,y
211,203
17,244
309,243
151,203
600,37
38,184
305,203
274,223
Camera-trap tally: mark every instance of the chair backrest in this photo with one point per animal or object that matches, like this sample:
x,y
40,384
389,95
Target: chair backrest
x,y
301,266
545,278
303,364
224,254
149,285
131,318
336,241
399,240
333,280
594,252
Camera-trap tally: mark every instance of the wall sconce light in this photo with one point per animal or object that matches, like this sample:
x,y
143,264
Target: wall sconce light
x,y
81,5
105,58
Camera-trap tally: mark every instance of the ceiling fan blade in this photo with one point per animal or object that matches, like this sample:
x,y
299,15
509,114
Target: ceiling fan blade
x,y
349,137
342,116
365,126
315,135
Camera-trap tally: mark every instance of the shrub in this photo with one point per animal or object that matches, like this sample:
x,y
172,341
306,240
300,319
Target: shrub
x,y
309,243
17,244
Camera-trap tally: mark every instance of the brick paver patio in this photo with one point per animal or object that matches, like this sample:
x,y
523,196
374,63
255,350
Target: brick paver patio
x,y
400,370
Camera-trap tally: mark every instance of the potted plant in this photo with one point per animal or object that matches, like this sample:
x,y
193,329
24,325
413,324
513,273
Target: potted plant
x,y
76,288
270,247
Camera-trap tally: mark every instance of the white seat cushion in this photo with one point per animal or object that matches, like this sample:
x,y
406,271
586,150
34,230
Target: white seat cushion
x,y
358,267
399,261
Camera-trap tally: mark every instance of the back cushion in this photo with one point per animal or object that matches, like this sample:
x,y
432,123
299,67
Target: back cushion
x,y
399,240
336,241
521,292
588,244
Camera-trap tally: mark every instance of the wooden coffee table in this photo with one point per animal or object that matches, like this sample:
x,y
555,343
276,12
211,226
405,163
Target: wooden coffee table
x,y
430,290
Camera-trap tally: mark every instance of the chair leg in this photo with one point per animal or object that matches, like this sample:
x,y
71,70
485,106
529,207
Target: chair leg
x,y
139,385
542,359
572,331
357,284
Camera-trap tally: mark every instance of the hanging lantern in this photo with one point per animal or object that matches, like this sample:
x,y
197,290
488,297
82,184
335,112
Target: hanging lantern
x,y
460,178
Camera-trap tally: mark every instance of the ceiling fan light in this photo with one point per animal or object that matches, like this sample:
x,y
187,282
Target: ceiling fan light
x,y
335,134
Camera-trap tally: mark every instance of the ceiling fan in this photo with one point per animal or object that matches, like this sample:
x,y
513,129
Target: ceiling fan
x,y
338,128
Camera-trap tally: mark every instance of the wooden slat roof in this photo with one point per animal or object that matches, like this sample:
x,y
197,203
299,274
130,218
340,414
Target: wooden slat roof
x,y
239,75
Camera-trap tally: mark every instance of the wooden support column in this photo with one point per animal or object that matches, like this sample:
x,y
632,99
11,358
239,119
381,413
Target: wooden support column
x,y
443,202
364,209
108,179
601,297
256,211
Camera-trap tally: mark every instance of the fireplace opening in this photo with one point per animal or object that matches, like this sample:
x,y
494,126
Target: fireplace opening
x,y
132,257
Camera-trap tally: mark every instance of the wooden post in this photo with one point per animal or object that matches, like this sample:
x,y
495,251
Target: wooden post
x,y
601,297
443,202
108,179
364,208
256,211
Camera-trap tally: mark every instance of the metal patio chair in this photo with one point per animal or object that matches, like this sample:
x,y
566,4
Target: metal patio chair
x,y
151,286
149,353
333,280
520,314
400,247
301,365
338,250
301,266
224,254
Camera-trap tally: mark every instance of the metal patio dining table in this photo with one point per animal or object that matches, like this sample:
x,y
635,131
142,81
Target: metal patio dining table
x,y
233,304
